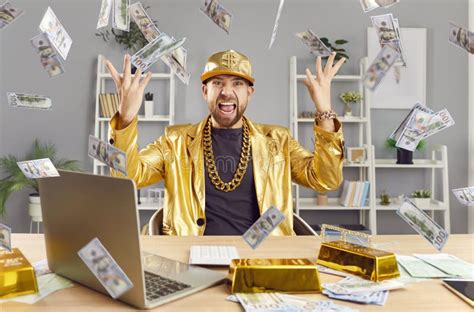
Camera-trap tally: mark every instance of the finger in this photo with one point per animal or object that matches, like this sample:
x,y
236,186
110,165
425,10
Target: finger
x,y
136,79
127,72
338,65
145,81
319,69
330,62
113,72
309,77
307,84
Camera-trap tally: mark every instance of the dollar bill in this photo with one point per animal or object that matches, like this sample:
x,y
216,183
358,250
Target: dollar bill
x,y
253,302
105,268
49,58
423,224
28,100
369,5
143,21
5,237
465,195
449,264
419,269
379,67
58,36
107,154
309,305
275,26
121,18
153,51
9,14
316,46
257,233
181,72
461,37
217,13
104,14
38,168
375,297
388,33
356,285
418,106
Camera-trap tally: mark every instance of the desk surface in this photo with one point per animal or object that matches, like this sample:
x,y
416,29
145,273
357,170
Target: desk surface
x,y
427,296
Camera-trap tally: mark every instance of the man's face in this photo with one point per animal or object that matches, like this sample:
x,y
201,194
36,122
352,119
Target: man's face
x,y
227,97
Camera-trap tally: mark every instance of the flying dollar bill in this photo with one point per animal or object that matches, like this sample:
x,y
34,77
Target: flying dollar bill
x,y
28,100
143,21
461,37
465,195
423,224
107,154
275,26
58,36
217,13
5,237
388,33
369,5
49,58
104,14
379,67
153,51
9,14
257,233
418,106
316,46
121,18
38,168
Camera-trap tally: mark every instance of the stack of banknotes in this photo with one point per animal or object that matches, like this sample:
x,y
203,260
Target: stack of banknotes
x,y
261,228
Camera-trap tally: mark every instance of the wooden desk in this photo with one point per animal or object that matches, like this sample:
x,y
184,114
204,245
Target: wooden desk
x,y
423,296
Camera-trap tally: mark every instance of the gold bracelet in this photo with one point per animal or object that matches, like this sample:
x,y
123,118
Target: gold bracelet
x,y
327,115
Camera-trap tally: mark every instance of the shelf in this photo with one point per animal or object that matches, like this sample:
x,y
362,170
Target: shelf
x,y
336,78
356,165
153,76
149,206
436,205
333,204
417,163
341,119
141,118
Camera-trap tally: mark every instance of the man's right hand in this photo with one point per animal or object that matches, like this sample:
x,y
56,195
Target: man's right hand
x,y
130,91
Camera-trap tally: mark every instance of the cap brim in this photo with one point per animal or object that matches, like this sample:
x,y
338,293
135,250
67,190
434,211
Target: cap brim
x,y
214,73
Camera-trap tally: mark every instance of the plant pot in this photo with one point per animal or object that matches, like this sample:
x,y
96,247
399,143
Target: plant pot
x,y
322,200
34,208
404,157
148,109
348,110
422,203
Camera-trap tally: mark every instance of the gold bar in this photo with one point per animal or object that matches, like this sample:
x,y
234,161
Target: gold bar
x,y
271,275
369,263
17,276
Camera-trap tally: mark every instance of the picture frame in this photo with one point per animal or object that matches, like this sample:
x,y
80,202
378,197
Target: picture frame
x,y
356,155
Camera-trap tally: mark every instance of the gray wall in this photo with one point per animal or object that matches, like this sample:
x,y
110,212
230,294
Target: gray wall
x,y
71,120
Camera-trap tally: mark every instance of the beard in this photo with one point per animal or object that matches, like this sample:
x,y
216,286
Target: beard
x,y
223,120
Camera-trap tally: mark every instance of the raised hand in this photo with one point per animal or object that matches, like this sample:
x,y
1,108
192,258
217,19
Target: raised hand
x,y
130,91
320,88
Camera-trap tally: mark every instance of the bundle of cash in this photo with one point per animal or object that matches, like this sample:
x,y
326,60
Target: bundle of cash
x,y
9,14
56,33
423,224
369,5
316,46
275,26
420,269
465,195
38,168
461,37
153,51
368,296
379,67
257,233
28,100
217,13
143,21
107,154
388,32
49,58
104,14
449,264
355,285
5,237
417,107
105,268
121,19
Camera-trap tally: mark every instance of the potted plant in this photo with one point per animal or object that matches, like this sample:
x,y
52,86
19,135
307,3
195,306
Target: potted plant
x,y
384,199
148,105
349,98
422,198
336,47
14,179
404,157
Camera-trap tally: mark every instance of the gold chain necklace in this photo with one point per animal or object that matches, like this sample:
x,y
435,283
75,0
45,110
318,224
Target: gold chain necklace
x,y
210,163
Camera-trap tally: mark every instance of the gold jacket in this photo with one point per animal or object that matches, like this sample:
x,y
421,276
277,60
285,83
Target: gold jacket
x,y
278,159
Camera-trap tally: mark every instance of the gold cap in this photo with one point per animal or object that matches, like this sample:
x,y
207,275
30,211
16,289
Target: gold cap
x,y
228,62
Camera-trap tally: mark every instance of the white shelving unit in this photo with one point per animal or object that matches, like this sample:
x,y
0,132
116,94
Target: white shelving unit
x,y
101,124
362,122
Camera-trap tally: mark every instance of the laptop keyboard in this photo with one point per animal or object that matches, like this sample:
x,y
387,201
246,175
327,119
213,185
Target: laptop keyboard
x,y
158,286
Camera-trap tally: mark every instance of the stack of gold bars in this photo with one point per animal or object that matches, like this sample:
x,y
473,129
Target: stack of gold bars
x,y
17,276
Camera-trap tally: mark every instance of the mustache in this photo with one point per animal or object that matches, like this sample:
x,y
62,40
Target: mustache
x,y
227,99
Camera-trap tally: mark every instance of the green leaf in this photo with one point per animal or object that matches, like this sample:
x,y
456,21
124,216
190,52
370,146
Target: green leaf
x,y
341,41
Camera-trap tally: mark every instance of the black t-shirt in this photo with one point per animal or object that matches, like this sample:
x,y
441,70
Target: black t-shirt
x,y
229,213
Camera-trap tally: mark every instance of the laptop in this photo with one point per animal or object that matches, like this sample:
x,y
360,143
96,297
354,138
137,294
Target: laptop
x,y
78,207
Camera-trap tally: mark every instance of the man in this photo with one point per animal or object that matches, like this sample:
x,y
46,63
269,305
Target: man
x,y
224,172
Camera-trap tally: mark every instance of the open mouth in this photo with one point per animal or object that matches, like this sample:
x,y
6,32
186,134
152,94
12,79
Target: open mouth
x,y
227,108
